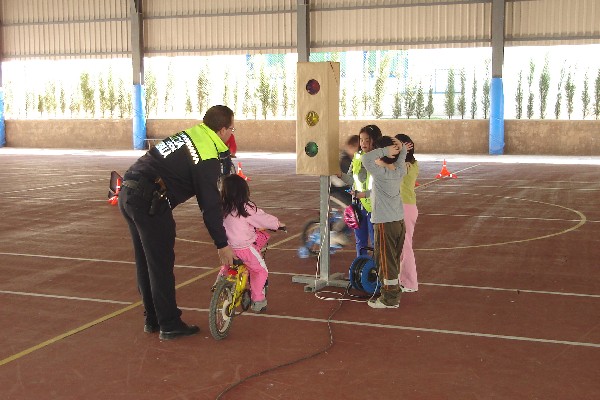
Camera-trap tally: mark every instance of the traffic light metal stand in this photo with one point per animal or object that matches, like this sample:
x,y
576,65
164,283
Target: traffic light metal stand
x,y
314,284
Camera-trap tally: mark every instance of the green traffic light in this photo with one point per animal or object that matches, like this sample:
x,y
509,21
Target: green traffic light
x,y
311,149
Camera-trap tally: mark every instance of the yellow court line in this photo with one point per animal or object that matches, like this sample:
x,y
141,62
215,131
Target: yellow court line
x,y
67,334
90,324
270,246
109,316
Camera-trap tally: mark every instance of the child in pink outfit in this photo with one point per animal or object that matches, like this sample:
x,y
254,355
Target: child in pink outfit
x,y
244,223
408,264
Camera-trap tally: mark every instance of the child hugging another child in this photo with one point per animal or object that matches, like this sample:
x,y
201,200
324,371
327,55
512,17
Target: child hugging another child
x,y
386,165
245,226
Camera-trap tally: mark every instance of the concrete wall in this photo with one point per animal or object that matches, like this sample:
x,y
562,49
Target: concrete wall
x,y
527,137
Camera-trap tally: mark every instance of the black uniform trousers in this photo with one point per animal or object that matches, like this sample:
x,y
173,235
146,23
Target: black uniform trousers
x,y
153,243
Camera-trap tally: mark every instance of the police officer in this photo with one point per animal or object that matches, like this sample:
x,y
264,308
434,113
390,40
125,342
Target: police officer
x,y
187,164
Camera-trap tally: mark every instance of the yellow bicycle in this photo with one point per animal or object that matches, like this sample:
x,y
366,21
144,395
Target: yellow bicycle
x,y
231,297
231,292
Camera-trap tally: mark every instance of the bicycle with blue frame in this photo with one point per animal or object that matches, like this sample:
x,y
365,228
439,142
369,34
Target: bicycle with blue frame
x,y
310,238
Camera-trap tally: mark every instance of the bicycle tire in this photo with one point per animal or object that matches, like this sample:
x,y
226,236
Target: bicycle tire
x,y
219,322
309,229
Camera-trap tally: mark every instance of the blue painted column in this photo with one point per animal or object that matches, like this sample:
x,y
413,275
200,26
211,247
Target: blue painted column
x,y
496,142
496,133
2,126
139,117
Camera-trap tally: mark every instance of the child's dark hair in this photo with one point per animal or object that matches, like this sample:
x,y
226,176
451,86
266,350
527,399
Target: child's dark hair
x,y
353,140
410,154
235,194
382,142
372,130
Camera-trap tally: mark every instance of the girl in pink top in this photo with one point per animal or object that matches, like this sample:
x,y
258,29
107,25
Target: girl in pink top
x,y
245,223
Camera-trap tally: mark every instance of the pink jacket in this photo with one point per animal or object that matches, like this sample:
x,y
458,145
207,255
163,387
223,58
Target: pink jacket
x,y
241,231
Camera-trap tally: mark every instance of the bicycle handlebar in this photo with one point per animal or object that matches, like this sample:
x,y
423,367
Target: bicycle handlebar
x,y
281,228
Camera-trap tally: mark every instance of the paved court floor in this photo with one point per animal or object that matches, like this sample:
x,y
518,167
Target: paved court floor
x,y
508,304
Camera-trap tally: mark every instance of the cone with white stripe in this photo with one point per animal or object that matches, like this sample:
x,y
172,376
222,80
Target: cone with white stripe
x,y
444,173
241,173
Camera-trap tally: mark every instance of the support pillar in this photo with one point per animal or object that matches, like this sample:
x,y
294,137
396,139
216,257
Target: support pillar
x,y
496,126
139,97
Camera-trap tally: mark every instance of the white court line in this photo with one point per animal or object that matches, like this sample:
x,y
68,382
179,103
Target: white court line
x,y
365,324
499,217
241,155
92,260
295,273
504,217
52,186
511,290
513,187
416,329
53,296
362,324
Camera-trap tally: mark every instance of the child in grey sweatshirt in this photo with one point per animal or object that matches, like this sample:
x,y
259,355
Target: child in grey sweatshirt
x,y
386,166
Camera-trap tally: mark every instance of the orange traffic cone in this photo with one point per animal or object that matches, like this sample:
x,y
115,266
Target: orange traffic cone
x,y
417,184
444,173
240,173
113,200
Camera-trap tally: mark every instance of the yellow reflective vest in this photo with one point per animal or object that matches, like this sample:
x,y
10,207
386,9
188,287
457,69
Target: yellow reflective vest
x,y
361,186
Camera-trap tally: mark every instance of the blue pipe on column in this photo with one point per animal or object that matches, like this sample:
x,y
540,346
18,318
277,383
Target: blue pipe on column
x,y
139,119
496,144
2,126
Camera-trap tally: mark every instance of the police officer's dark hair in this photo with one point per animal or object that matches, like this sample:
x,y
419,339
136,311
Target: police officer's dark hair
x,y
218,117
383,142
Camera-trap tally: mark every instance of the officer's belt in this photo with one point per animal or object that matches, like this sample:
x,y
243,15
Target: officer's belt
x,y
141,185
131,184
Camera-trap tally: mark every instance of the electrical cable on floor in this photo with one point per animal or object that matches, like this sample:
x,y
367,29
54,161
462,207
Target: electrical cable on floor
x,y
334,311
329,346
356,298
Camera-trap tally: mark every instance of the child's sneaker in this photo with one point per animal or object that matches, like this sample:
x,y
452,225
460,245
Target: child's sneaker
x,y
408,290
259,306
379,304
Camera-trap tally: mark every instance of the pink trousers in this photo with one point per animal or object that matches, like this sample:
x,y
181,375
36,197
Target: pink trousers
x,y
258,271
252,258
408,265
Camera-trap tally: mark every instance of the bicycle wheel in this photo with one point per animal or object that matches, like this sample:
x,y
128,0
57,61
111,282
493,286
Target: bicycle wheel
x,y
220,314
311,236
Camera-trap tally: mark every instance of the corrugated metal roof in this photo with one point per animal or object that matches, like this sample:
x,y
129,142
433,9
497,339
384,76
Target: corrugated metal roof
x,y
228,26
360,26
65,28
101,28
552,22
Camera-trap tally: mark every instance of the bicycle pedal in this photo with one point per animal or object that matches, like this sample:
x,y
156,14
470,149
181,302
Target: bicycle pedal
x,y
246,300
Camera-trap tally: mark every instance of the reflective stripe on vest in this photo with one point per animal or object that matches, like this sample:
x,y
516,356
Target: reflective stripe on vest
x,y
201,141
207,143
